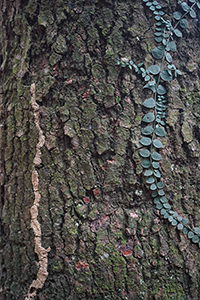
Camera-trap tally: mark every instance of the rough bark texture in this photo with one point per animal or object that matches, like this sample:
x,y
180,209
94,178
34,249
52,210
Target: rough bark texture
x,y
107,239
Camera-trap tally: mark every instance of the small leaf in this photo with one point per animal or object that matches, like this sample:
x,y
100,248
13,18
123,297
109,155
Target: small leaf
x,y
185,6
153,187
152,8
146,163
155,164
193,14
158,52
159,206
190,234
166,76
177,15
148,118
160,131
163,199
149,103
157,143
150,180
157,18
163,211
161,193
160,185
168,57
156,156
171,46
179,218
147,130
145,141
145,153
195,239
170,218
198,4
158,39
174,222
147,78
156,200
161,90
158,175
148,173
150,85
158,33
184,23
167,206
180,226
175,215
154,194
185,230
154,69
185,221
178,33
166,216
197,230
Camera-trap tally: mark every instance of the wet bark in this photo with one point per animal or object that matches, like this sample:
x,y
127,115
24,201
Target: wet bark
x,y
76,219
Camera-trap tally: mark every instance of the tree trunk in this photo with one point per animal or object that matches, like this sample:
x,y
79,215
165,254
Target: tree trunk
x,y
77,220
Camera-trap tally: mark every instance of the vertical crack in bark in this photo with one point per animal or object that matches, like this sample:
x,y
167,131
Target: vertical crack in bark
x,y
35,225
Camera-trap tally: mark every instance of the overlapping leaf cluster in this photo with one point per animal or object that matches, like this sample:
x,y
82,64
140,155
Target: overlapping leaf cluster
x,y
154,78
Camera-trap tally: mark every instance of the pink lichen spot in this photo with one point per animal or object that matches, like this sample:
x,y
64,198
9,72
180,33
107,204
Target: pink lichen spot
x,y
81,264
86,200
133,215
96,192
68,81
126,252
67,259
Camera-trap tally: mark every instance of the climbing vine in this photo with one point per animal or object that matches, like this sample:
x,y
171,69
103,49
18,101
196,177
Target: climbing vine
x,y
154,78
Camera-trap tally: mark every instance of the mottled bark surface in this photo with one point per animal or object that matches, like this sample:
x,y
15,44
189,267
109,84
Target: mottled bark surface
x,y
107,239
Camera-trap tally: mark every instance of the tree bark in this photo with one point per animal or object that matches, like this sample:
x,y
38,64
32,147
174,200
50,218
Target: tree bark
x,y
77,221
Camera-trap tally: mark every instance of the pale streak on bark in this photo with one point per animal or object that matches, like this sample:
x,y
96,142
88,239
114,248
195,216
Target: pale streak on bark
x,y
35,225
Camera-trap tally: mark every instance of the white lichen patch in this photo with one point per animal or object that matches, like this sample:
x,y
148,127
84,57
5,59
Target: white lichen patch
x,y
41,252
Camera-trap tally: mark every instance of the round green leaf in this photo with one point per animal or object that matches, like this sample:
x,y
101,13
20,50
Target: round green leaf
x,y
163,211
195,239
179,218
180,226
161,193
175,215
155,164
163,199
149,103
156,200
157,143
154,194
152,8
177,15
190,234
171,46
148,173
154,69
150,180
193,14
166,76
157,173
153,187
185,230
158,51
185,6
156,156
184,23
145,141
145,153
147,130
157,18
146,163
147,78
166,216
167,206
185,221
159,206
197,230
148,118
158,39
170,218
160,131
161,90
178,33
174,222
168,57
160,185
